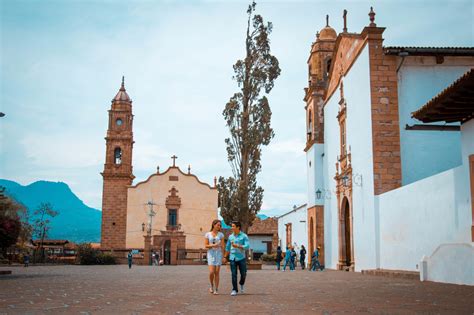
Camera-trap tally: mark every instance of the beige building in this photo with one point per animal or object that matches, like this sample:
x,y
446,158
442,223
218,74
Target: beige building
x,y
182,203
167,214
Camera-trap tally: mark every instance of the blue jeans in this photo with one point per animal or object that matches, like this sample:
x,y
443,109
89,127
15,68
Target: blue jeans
x,y
278,264
242,265
286,263
292,264
315,264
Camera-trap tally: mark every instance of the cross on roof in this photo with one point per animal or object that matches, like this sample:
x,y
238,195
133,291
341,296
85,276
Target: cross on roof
x,y
174,157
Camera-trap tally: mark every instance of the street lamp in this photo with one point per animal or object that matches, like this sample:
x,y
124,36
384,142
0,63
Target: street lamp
x,y
318,194
143,227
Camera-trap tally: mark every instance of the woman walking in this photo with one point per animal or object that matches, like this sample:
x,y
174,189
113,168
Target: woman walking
x,y
214,242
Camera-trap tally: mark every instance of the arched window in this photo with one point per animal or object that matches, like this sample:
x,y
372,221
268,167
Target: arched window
x,y
328,66
118,156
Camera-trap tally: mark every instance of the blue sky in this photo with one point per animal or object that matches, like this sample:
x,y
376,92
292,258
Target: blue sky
x,y
62,62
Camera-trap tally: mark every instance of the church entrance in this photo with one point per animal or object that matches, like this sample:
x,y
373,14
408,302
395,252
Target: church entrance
x,y
345,247
347,233
167,252
311,237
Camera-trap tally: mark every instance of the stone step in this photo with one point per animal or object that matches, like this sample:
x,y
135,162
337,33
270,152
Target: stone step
x,y
402,274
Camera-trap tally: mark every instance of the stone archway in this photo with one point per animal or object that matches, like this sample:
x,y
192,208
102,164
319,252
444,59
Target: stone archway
x,y
346,249
311,236
347,231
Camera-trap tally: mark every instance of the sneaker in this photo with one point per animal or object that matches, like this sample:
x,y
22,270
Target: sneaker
x,y
242,289
215,292
233,293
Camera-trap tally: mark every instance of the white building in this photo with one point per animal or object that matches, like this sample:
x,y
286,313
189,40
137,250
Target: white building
x,y
383,189
292,228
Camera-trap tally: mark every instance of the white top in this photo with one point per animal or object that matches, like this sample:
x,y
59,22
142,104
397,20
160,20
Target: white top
x,y
215,240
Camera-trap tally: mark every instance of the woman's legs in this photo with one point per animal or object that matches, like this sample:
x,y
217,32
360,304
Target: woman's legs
x,y
217,270
211,275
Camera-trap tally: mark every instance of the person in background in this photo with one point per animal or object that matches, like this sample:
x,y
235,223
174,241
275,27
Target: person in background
x,y
26,259
235,249
278,257
302,257
287,258
315,260
130,259
292,259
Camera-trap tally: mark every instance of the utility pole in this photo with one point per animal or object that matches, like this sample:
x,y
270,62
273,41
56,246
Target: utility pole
x,y
151,214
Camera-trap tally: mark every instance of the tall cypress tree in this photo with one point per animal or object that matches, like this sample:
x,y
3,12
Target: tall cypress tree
x,y
248,116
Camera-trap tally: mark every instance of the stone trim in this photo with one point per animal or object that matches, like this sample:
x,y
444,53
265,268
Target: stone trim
x,y
165,172
385,116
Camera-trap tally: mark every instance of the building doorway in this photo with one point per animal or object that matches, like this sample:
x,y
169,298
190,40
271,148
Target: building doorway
x,y
346,249
311,236
167,252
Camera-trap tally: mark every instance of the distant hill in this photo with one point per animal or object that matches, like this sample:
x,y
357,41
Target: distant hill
x,y
75,222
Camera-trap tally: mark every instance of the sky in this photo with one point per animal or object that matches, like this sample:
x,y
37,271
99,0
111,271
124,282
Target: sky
x,y
61,63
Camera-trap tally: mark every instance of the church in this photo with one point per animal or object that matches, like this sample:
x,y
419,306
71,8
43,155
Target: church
x,y
390,155
168,213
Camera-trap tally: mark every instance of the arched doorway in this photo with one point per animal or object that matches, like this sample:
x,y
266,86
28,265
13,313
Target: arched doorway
x,y
346,250
311,236
167,252
347,231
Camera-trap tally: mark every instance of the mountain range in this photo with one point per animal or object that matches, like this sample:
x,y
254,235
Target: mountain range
x,y
75,221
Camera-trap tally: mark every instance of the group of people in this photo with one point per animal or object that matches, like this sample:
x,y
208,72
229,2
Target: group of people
x,y
290,258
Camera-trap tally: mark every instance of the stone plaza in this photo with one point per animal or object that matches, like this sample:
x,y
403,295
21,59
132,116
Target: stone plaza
x,y
183,290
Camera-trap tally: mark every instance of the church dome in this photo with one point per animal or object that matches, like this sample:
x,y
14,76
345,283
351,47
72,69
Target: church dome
x,y
122,95
327,33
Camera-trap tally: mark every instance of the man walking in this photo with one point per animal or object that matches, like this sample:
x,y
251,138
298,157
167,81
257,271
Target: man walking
x,y
315,260
235,249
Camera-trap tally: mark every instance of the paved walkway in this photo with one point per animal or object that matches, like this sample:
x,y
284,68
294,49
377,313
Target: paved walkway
x,y
183,289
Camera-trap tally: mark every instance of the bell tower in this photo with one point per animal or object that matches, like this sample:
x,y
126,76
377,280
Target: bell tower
x,y
117,174
319,67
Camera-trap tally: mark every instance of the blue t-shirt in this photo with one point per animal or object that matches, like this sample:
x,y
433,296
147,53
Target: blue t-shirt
x,y
237,254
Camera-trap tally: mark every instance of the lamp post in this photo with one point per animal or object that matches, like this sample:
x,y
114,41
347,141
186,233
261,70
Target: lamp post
x,y
318,194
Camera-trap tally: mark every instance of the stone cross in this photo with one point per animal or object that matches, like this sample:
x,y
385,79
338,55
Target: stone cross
x,y
174,157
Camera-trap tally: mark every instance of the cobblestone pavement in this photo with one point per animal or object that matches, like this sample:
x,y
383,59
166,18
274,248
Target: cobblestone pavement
x,y
183,289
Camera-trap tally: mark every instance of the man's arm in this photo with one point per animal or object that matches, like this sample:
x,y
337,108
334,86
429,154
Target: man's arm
x,y
246,244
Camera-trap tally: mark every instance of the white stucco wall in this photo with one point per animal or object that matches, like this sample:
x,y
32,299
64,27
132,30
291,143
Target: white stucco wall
x,y
415,219
425,153
359,138
450,263
298,220
467,140
257,244
314,171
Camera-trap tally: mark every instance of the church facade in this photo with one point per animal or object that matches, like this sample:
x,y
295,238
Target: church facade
x,y
384,190
168,213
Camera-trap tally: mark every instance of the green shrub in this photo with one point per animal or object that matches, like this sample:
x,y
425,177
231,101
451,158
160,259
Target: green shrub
x,y
89,256
269,257
106,259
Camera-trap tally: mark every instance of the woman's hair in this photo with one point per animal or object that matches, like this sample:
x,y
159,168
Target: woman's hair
x,y
214,223
278,248
302,246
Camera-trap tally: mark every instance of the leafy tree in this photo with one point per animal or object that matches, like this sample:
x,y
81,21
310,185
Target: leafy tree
x,y
10,221
41,224
248,117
